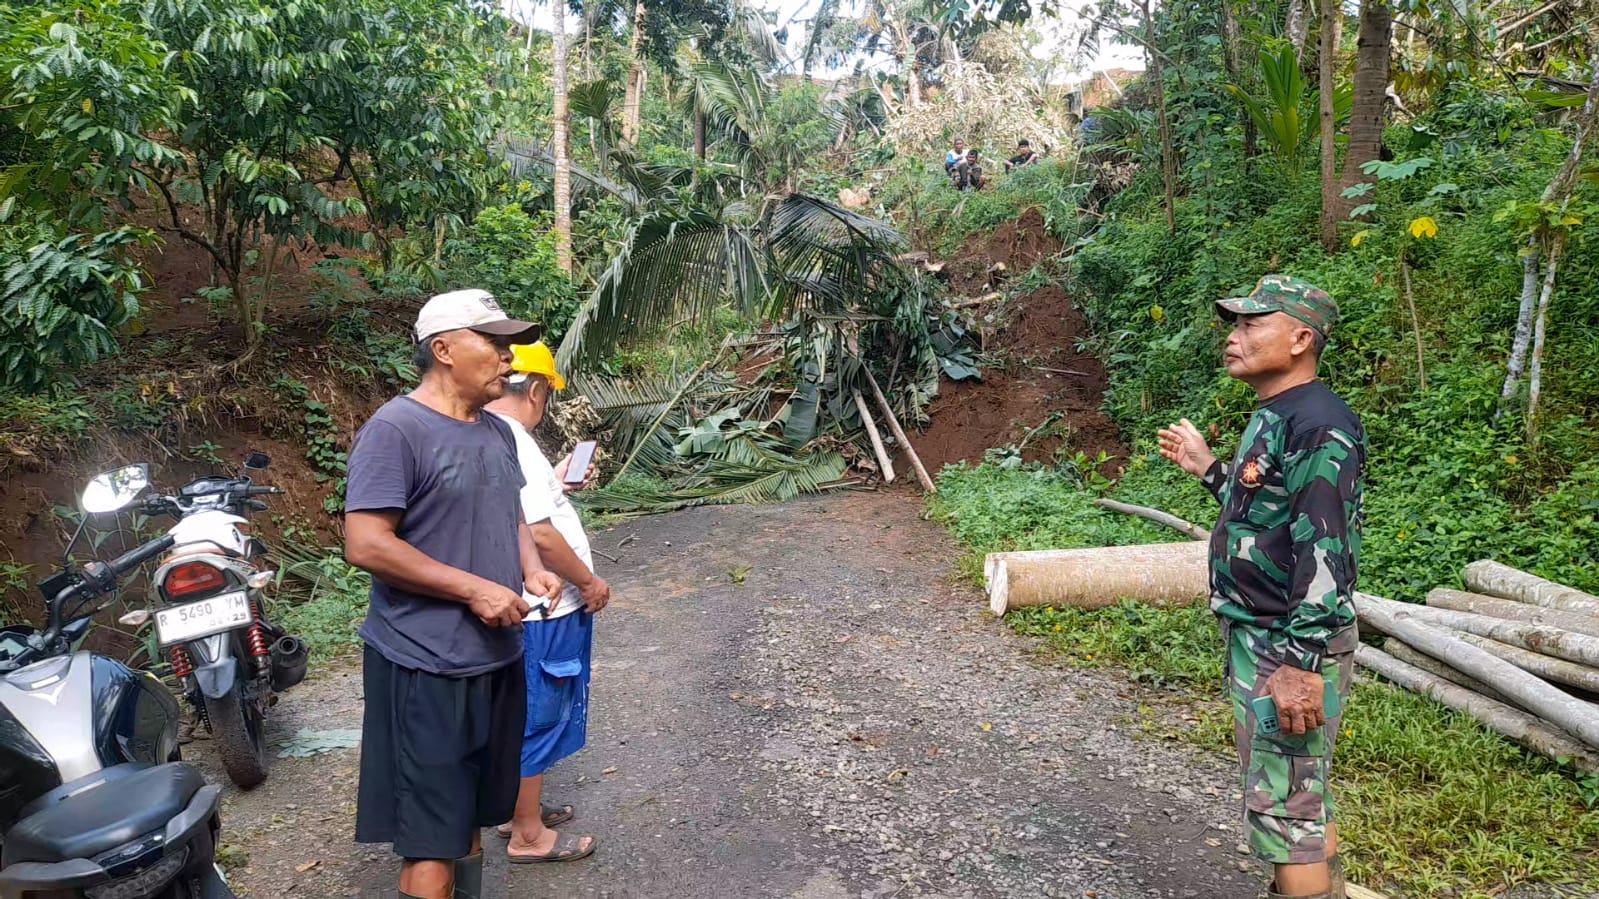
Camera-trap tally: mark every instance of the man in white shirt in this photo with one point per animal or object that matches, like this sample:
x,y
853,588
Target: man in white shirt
x,y
557,638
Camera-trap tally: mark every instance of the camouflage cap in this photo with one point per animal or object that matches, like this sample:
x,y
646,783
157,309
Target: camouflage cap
x,y
1287,294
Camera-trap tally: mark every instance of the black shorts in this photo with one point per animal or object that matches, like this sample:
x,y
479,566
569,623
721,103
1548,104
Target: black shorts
x,y
440,756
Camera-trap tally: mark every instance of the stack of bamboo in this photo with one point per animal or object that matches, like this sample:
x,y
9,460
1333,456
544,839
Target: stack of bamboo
x,y
1516,652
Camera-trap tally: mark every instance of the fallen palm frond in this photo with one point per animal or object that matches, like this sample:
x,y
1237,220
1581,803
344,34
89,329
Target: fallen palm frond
x,y
775,478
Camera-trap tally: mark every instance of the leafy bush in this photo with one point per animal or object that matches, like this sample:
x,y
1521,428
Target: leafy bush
x,y
512,255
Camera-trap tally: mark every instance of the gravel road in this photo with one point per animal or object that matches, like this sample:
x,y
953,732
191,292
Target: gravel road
x,y
799,701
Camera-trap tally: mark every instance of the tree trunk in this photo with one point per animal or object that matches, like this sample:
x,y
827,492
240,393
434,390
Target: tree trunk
x,y
1550,641
633,98
1510,610
1578,718
899,432
562,148
1415,321
1557,243
1157,574
1296,27
1524,314
1496,579
1232,53
884,463
1367,114
1557,671
1505,720
1404,652
1327,57
699,130
1168,149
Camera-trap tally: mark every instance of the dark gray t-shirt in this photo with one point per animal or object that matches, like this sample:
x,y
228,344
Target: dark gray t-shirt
x,y
458,483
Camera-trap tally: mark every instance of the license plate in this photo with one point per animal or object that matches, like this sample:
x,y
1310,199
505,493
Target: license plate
x,y
180,624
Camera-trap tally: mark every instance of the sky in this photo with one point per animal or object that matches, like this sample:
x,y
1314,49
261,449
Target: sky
x,y
1058,36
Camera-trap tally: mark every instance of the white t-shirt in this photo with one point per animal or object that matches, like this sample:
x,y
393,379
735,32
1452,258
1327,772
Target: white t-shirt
x,y
543,498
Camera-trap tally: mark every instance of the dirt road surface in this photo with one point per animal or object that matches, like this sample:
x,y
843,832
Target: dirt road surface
x,y
799,701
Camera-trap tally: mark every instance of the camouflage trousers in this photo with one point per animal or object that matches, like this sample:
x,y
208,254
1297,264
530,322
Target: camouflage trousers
x,y
1287,798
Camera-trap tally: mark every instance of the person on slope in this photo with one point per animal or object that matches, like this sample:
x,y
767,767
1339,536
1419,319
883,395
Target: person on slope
x,y
1283,563
557,640
432,512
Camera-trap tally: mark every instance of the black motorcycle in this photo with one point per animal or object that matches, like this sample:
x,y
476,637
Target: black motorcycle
x,y
94,802
210,618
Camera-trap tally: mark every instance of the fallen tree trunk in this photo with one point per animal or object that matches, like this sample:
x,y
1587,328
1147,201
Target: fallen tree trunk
x,y
1510,610
1404,652
1156,573
899,432
1157,516
1578,718
1502,580
1557,671
884,463
1550,641
1496,716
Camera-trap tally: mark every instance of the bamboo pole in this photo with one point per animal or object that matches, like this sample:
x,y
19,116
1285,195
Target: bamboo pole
x,y
1157,573
1491,577
899,432
1550,641
1510,610
1577,718
1557,671
1510,722
1408,654
1166,518
883,461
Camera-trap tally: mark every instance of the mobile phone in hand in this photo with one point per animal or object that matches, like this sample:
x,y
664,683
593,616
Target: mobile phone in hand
x,y
1266,709
577,471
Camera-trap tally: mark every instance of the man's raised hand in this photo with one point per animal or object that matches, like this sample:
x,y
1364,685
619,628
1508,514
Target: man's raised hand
x,y
1183,444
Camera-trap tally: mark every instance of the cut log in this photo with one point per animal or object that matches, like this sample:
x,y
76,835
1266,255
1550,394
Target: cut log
x,y
1557,671
1502,580
883,461
1159,574
1411,656
1550,641
1575,717
1511,610
1157,516
1496,716
899,432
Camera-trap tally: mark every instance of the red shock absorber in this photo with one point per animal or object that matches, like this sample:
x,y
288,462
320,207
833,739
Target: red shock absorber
x,y
182,665
260,647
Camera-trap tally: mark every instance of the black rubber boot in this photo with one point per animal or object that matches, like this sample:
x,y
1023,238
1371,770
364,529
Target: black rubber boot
x,y
469,876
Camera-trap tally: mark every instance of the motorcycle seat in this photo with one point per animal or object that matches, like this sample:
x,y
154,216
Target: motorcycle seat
x,y
101,811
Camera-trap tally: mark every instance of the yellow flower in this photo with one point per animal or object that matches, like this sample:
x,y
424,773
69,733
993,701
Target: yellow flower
x,y
1359,237
1511,459
1403,535
1424,227
1059,626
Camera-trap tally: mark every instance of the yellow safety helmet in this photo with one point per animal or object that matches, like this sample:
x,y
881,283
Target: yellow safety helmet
x,y
536,359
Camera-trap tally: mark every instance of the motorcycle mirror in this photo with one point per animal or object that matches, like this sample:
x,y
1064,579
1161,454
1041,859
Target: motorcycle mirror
x,y
112,491
257,461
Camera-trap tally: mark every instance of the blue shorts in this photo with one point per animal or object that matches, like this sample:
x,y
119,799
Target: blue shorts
x,y
556,654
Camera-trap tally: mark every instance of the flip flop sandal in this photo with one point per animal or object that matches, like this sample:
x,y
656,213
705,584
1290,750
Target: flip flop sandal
x,y
552,815
565,850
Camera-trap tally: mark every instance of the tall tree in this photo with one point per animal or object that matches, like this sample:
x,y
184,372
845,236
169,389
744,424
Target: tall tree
x,y
561,151
633,99
1367,112
1332,20
1168,148
1296,25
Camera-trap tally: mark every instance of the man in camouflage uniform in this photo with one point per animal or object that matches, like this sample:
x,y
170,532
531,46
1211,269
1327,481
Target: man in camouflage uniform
x,y
1282,571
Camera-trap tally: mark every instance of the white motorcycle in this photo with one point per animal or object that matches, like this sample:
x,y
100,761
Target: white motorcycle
x,y
230,659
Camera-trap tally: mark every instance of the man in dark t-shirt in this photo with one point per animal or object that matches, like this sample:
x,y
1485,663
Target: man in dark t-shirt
x,y
1282,574
432,511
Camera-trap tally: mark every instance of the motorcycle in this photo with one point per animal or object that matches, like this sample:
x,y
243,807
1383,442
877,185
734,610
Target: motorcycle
x,y
230,659
94,801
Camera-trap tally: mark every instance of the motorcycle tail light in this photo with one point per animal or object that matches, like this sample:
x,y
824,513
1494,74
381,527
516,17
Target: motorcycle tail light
x,y
192,579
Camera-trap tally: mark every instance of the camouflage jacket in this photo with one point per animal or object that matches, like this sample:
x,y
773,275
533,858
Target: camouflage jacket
x,y
1283,555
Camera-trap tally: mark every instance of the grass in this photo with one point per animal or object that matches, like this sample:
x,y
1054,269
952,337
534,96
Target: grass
x,y
1430,802
322,599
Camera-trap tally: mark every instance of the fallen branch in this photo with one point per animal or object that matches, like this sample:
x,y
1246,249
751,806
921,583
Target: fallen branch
x,y
1578,718
1511,610
1550,641
883,461
1557,671
899,432
1156,573
1502,580
1496,716
1157,516
985,298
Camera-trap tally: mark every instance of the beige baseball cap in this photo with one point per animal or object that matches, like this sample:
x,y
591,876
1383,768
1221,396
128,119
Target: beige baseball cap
x,y
474,309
